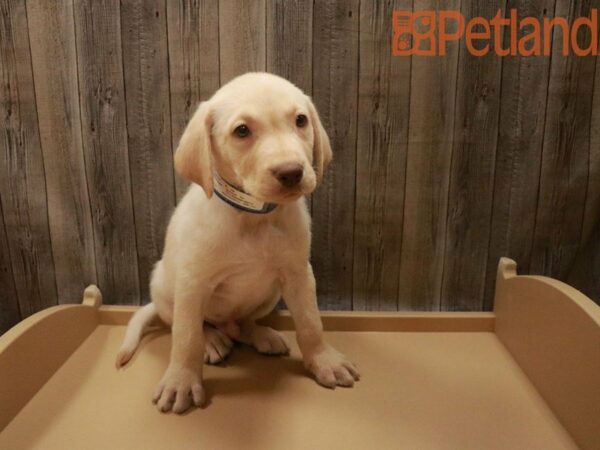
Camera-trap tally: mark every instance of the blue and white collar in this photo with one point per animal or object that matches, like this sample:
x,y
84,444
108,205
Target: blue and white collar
x,y
239,199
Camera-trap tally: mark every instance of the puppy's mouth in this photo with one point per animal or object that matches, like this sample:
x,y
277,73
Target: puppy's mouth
x,y
273,192
291,194
287,195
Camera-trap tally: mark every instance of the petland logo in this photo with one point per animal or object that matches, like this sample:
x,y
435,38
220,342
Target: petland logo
x,y
427,33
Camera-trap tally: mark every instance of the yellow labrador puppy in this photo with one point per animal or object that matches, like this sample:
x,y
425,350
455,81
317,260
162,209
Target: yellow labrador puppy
x,y
240,238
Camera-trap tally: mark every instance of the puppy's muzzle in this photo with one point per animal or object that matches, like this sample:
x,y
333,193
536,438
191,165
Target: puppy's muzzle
x,y
288,174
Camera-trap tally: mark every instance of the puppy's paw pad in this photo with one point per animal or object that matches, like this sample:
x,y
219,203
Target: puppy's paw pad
x,y
331,369
217,345
270,342
178,390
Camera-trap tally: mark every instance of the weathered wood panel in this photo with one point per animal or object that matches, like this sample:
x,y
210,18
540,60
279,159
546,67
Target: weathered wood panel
x,y
242,40
519,151
431,130
104,131
383,112
52,36
335,93
9,304
289,41
146,69
585,270
22,177
193,31
566,152
471,172
441,164
591,219
584,274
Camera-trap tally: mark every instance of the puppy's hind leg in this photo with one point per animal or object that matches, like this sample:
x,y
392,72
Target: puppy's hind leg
x,y
217,345
264,339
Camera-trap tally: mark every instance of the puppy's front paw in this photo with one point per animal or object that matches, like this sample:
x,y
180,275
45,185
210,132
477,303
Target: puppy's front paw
x,y
331,368
178,389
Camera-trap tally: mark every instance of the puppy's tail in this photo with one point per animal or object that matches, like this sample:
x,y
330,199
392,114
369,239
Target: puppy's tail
x,y
135,330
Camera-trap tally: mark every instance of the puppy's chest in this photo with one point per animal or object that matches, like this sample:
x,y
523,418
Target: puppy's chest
x,y
252,275
262,246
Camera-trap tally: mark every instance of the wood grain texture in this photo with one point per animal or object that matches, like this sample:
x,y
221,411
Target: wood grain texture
x,y
431,130
146,69
22,178
566,153
242,37
104,131
519,153
54,59
289,41
441,164
9,303
383,112
471,172
584,274
335,92
591,220
193,32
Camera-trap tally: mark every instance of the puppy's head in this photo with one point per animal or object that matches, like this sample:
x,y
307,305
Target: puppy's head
x,y
259,132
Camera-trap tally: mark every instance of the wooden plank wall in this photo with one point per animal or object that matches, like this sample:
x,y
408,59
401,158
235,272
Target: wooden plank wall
x,y
442,164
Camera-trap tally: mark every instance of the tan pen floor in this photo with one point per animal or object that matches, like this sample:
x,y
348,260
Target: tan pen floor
x,y
426,390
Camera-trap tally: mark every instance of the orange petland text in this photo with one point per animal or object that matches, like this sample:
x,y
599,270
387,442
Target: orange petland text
x,y
427,33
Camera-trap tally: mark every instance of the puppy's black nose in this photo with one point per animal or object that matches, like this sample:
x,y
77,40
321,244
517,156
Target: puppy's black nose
x,y
288,174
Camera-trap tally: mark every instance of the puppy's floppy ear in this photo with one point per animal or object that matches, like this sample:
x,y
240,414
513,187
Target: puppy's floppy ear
x,y
193,158
322,153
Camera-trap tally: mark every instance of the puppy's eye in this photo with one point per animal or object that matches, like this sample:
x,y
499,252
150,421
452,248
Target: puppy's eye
x,y
301,120
242,131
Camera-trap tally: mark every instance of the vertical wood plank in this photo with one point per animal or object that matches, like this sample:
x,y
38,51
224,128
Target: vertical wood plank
x,y
242,37
566,152
9,304
52,36
591,219
382,135
22,181
518,155
584,274
431,129
289,41
591,224
146,69
104,131
472,171
193,32
335,92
